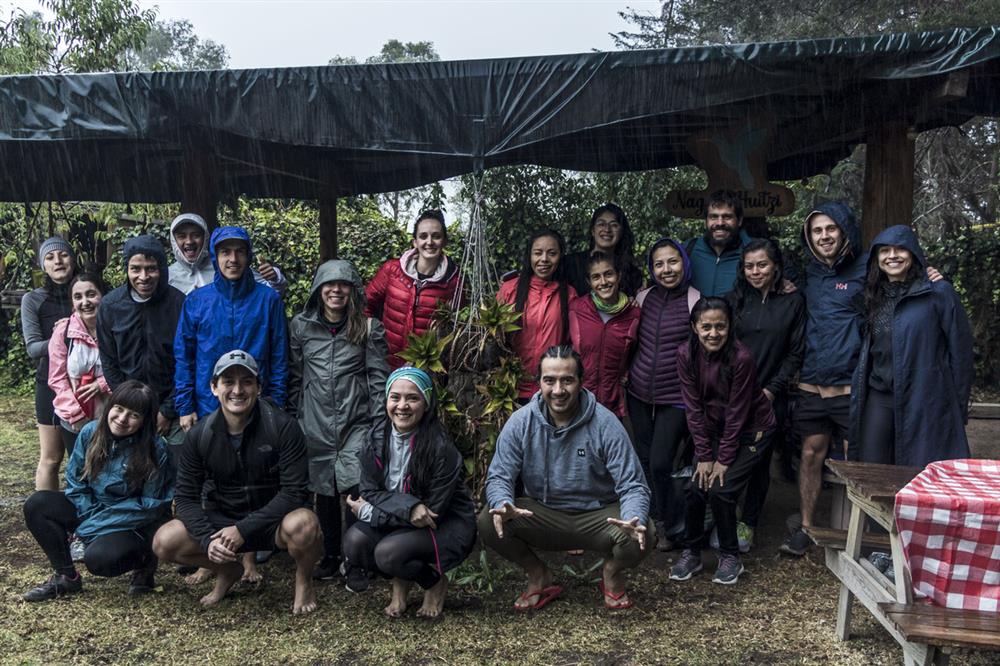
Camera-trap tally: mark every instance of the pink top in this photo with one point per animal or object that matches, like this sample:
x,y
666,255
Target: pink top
x,y
67,366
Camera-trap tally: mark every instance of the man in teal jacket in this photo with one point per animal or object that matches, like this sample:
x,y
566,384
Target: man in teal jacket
x,y
715,256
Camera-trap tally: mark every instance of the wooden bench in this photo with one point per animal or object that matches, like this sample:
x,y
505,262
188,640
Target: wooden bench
x,y
828,537
945,627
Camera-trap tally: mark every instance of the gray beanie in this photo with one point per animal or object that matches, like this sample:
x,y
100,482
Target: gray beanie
x,y
50,244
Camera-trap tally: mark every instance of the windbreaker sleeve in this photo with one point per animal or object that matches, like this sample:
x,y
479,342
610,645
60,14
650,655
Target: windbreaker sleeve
x,y
741,397
623,465
189,482
505,468
293,478
295,366
77,490
694,409
31,326
375,292
185,350
108,347
278,334
958,334
66,406
795,351
377,370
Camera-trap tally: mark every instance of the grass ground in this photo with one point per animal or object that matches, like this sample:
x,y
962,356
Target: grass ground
x,y
782,611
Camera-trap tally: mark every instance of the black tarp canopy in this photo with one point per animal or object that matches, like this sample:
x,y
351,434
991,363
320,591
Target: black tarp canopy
x,y
309,132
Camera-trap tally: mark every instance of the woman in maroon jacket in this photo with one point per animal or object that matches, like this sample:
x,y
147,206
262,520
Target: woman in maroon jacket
x,y
406,291
604,327
731,422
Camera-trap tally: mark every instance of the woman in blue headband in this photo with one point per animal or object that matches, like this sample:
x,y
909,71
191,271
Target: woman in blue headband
x,y
416,519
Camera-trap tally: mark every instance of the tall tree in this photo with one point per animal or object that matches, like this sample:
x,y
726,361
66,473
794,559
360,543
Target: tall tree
x,y
173,45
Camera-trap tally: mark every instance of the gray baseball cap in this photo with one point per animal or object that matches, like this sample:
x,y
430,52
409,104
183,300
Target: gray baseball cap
x,y
235,357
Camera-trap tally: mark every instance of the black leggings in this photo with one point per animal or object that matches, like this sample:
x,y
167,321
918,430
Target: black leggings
x,y
660,431
51,518
407,553
878,429
760,479
328,511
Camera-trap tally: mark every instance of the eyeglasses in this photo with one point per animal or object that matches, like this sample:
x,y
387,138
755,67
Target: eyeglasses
x,y
604,224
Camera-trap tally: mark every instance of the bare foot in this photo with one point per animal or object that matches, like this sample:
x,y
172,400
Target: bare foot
x,y
397,603
614,587
224,581
305,592
198,577
537,581
251,574
434,600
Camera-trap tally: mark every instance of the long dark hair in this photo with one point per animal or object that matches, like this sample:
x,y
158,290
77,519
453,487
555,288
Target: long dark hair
x,y
139,398
743,289
704,304
624,253
425,449
876,280
524,278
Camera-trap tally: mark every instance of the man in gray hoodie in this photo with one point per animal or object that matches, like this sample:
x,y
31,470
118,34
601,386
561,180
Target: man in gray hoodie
x,y
583,485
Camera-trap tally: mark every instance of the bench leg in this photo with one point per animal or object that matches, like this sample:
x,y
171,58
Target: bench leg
x,y
854,530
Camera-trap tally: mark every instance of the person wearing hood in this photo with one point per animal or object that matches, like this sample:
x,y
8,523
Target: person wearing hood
x,y
583,486
910,390
654,400
542,294
835,276
405,292
336,386
715,256
193,268
416,519
135,329
40,310
234,312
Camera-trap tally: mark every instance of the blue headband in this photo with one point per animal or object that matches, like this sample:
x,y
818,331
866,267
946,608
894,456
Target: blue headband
x,y
420,378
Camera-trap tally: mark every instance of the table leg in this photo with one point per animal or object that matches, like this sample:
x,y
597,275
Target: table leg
x,y
904,583
855,528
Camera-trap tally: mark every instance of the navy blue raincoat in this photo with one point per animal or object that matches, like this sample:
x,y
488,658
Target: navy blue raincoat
x,y
932,367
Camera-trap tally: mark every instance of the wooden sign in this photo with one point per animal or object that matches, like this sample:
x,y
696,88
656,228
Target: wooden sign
x,y
734,159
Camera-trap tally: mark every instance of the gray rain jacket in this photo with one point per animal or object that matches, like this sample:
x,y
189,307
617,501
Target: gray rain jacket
x,y
335,387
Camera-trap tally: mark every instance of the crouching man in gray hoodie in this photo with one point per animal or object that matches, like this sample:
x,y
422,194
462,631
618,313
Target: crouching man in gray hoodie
x,y
583,486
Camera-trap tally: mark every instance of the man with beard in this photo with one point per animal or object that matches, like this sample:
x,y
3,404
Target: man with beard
x,y
192,267
715,257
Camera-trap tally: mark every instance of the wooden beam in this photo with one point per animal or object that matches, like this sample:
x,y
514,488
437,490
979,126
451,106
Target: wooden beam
x,y
888,191
327,228
201,185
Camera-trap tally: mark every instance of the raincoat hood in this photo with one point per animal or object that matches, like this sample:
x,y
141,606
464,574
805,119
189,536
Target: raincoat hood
x,y
245,284
329,271
150,246
685,262
843,216
202,258
901,236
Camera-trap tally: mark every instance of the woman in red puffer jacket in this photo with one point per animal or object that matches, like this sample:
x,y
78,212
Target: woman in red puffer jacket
x,y
406,291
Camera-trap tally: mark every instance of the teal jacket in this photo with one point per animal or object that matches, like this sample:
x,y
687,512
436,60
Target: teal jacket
x,y
715,274
105,504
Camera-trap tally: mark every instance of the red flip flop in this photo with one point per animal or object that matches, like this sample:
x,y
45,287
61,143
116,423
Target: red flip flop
x,y
614,596
545,595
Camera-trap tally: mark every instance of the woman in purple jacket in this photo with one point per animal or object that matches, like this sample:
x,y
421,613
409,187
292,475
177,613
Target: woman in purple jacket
x,y
731,422
655,405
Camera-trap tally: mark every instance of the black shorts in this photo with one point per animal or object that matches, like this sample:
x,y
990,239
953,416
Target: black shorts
x,y
815,415
262,540
45,413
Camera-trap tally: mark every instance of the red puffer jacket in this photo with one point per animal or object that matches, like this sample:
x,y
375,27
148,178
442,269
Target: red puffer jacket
x,y
606,349
404,303
541,326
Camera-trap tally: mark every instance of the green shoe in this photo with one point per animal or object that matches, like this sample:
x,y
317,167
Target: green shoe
x,y
745,535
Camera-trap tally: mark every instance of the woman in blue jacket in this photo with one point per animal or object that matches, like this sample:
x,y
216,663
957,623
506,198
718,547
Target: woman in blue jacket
x,y
119,486
910,391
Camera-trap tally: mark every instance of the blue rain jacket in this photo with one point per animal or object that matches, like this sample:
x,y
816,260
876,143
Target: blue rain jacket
x,y
106,504
224,316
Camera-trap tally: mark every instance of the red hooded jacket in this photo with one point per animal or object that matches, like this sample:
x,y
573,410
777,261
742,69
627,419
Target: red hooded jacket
x,y
605,347
404,303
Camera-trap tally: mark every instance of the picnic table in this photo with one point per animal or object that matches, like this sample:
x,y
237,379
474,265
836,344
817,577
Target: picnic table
x,y
927,634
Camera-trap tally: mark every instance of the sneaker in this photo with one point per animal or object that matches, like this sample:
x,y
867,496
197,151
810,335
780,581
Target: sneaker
x,y
142,581
745,535
327,569
357,580
797,544
688,565
57,585
729,570
76,548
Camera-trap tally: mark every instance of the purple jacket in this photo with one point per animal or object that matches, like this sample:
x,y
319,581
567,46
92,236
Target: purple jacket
x,y
663,327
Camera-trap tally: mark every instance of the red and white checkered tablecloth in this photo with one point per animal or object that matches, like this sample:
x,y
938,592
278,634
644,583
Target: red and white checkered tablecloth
x,y
948,519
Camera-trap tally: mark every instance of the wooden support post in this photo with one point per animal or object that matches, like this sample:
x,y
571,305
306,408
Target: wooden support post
x,y
327,228
201,185
888,193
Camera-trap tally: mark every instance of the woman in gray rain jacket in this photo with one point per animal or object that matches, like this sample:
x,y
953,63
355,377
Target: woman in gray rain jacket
x,y
336,388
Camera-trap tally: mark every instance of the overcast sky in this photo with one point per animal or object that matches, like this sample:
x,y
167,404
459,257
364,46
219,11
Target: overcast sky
x,y
270,33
